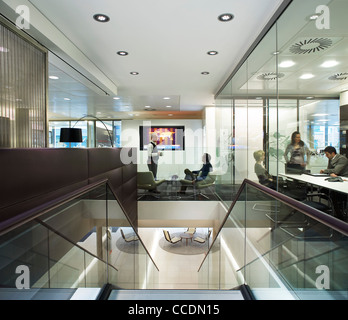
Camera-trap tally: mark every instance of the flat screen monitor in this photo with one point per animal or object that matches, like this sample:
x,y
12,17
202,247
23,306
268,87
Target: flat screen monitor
x,y
169,137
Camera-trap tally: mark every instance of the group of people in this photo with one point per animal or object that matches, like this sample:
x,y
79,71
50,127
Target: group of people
x,y
153,155
297,153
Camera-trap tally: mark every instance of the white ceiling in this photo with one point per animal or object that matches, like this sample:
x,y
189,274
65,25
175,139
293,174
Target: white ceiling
x,y
167,42
330,44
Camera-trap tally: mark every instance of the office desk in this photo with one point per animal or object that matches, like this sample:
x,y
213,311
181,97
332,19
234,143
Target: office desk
x,y
320,182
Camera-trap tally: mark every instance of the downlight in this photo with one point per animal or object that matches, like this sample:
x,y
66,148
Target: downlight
x,y
225,17
101,17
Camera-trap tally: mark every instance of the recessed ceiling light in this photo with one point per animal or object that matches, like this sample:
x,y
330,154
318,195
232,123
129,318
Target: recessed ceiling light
x,y
54,77
205,72
101,17
116,98
212,53
134,73
67,99
329,64
122,53
276,53
307,76
168,106
287,64
147,106
166,98
226,17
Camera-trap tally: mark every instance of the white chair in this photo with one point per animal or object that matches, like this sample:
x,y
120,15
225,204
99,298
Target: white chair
x,y
202,240
190,230
169,238
129,238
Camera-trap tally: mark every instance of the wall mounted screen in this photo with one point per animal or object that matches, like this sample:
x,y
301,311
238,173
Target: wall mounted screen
x,y
169,137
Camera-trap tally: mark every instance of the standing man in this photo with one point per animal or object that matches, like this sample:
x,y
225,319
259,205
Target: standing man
x,y
153,154
338,164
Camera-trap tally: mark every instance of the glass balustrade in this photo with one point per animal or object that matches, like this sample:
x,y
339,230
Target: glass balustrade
x,y
78,244
280,249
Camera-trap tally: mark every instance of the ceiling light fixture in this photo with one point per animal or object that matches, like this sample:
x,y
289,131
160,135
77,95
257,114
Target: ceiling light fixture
x,y
225,17
329,64
101,17
134,73
122,53
307,76
168,106
67,99
166,98
54,77
116,98
212,53
205,72
287,64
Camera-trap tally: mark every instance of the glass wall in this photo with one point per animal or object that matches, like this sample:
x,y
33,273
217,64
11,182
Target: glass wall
x,y
291,81
94,134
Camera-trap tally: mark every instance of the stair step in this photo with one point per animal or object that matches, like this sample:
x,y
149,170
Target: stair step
x,y
176,295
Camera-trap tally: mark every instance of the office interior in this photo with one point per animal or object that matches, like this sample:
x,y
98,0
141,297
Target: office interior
x,y
292,77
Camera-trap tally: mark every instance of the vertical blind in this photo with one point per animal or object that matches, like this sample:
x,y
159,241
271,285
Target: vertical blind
x,y
23,74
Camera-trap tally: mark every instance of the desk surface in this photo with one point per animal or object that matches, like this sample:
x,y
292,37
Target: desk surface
x,y
320,181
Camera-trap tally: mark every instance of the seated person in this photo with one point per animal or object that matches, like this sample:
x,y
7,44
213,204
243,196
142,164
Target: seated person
x,y
198,175
337,165
264,177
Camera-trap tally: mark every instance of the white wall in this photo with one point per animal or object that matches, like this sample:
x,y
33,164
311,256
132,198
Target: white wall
x,y
172,162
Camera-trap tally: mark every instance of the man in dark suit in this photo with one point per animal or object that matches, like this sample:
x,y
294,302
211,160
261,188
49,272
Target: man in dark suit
x,y
337,166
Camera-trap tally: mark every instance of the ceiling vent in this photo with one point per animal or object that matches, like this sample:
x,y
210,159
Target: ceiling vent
x,y
270,76
309,46
339,76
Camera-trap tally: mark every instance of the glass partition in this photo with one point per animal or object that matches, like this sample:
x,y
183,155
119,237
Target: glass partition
x,y
291,81
83,243
278,250
94,133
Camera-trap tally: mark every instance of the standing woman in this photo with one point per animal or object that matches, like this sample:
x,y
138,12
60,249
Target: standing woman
x,y
299,152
